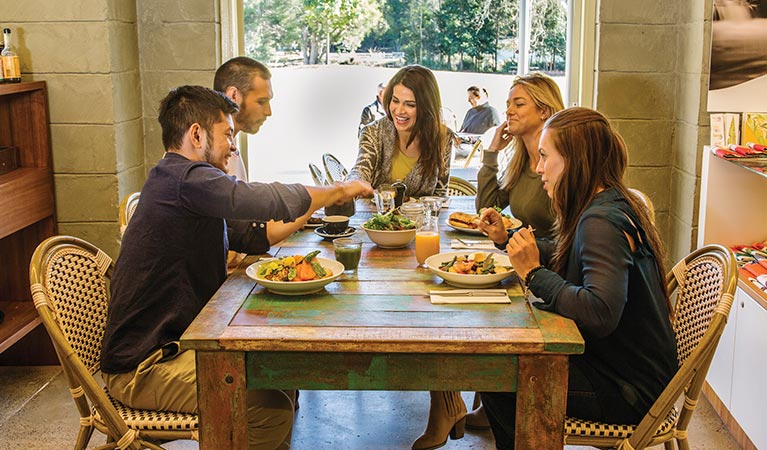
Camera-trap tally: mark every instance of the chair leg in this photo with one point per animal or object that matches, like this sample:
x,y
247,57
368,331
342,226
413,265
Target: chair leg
x,y
83,437
669,445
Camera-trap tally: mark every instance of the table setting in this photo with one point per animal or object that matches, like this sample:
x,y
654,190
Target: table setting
x,y
379,320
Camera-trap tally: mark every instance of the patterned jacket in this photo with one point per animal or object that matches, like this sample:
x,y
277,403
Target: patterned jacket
x,y
377,145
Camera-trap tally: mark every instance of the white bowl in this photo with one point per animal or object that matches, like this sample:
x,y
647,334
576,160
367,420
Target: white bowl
x,y
466,280
296,287
391,239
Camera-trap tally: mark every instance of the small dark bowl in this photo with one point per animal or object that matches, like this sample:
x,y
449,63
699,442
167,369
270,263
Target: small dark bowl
x,y
335,224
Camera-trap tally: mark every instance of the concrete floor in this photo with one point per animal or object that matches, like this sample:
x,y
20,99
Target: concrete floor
x,y
37,413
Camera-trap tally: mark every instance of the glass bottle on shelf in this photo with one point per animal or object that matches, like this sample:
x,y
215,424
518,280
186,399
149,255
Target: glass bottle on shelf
x,y
2,77
11,63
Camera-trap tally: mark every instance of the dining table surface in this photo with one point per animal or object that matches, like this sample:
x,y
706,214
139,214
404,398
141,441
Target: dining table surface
x,y
376,329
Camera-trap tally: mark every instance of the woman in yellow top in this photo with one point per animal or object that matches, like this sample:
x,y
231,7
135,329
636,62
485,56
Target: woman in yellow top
x,y
410,143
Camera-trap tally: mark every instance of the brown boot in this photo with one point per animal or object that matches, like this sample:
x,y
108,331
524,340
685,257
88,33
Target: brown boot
x,y
447,416
477,419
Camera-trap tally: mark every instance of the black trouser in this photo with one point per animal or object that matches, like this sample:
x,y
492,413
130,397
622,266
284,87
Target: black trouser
x,y
583,402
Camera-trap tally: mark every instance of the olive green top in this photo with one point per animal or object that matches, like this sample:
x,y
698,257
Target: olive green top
x,y
527,199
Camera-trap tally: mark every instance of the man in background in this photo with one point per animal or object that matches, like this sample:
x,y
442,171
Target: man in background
x,y
479,118
482,116
373,111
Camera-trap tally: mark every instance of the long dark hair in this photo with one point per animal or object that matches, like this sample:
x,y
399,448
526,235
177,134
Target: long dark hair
x,y
595,157
428,127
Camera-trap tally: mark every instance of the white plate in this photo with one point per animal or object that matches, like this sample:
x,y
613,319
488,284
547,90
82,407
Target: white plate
x,y
515,222
297,287
320,231
465,280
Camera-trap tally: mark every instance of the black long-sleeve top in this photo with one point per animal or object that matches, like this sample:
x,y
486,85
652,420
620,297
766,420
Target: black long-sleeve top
x,y
616,299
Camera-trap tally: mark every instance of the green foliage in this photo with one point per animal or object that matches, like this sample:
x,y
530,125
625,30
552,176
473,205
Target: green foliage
x,y
445,34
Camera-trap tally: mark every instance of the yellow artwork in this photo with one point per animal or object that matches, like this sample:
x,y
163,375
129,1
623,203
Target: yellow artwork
x,y
754,128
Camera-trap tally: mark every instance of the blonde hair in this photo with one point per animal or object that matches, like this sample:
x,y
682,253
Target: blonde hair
x,y
546,96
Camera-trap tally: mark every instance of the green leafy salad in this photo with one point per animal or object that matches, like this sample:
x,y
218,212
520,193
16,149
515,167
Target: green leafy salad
x,y
389,222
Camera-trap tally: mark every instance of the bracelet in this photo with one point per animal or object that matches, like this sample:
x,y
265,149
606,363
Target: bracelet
x,y
531,274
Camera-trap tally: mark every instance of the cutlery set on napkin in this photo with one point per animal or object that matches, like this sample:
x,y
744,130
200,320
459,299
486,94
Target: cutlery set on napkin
x,y
458,296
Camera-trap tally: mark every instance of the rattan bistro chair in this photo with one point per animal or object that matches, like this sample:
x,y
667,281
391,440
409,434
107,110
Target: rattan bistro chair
x,y
457,186
705,283
334,170
69,282
128,206
317,176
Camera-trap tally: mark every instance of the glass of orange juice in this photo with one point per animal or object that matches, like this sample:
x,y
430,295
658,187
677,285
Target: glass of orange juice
x,y
427,240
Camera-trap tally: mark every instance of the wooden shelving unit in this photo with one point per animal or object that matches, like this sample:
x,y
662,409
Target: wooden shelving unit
x,y
28,217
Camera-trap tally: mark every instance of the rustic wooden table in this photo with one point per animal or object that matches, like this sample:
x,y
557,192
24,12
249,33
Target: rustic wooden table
x,y
377,330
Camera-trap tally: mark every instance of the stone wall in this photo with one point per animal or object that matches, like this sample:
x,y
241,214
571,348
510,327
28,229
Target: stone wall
x,y
179,42
107,64
651,83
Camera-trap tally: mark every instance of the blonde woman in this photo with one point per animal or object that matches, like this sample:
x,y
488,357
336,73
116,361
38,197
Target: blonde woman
x,y
532,99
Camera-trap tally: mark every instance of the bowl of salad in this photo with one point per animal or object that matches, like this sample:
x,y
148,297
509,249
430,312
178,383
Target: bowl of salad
x,y
390,230
470,270
295,274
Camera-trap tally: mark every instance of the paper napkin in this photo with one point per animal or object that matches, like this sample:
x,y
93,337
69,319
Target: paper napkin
x,y
459,296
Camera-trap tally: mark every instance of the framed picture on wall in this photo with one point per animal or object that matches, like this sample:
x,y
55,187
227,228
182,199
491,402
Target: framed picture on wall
x,y
738,78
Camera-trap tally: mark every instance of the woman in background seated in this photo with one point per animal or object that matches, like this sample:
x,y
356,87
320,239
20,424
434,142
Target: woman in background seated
x,y
410,143
532,99
604,271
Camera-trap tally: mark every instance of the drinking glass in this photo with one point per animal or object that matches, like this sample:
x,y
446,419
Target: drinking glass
x,y
432,205
348,252
427,240
384,198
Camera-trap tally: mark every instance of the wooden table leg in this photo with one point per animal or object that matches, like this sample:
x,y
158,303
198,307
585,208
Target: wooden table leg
x,y
541,402
222,398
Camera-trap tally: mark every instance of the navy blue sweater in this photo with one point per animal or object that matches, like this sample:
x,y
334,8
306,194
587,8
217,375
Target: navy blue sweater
x,y
173,254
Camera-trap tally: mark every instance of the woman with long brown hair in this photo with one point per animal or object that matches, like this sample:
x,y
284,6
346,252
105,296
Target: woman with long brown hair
x,y
410,143
604,271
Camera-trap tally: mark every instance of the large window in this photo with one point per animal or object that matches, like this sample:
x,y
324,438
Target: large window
x,y
328,56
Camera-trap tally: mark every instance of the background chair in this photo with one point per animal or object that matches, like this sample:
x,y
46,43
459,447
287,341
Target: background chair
x,y
705,283
334,170
477,145
448,118
69,282
646,200
128,206
317,176
457,186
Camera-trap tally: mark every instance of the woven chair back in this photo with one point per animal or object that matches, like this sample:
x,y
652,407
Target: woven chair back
x,y
647,202
334,170
457,186
696,302
317,176
72,272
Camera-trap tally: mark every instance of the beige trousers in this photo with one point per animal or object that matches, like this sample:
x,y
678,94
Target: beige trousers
x,y
171,384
